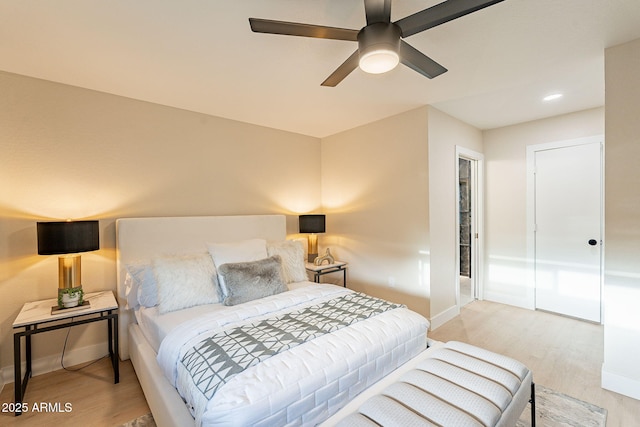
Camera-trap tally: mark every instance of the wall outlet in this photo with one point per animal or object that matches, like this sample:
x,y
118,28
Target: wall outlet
x,y
392,282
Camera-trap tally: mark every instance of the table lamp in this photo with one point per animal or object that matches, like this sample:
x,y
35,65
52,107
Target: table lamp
x,y
312,224
68,239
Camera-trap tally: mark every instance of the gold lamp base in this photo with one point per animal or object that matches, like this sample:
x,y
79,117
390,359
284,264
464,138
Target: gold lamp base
x,y
312,252
70,292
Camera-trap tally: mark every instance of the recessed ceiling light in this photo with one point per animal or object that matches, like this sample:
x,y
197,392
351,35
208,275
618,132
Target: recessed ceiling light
x,y
552,97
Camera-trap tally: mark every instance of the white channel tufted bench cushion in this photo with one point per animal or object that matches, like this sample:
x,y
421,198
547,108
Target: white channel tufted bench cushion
x,y
457,385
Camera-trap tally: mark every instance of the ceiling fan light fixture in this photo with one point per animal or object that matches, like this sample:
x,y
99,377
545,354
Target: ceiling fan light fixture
x,y
378,46
379,61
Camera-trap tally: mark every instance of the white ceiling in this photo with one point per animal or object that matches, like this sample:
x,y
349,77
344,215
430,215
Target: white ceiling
x,y
201,55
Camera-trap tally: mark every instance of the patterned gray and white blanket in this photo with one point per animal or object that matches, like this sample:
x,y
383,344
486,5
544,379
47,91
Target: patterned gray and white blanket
x,y
221,356
281,360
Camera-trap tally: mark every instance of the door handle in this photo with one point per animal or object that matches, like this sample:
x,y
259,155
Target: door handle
x,y
593,242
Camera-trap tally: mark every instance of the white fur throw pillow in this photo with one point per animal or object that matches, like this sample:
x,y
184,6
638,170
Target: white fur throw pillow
x,y
185,281
292,254
247,281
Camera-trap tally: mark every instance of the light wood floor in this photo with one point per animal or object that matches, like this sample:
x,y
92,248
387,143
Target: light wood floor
x,y
95,400
564,354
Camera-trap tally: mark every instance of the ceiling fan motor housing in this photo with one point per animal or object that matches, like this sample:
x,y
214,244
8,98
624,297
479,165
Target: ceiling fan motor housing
x,y
378,47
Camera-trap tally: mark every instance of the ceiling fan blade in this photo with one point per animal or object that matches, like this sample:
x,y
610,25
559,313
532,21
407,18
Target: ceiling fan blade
x,y
418,61
304,30
439,14
343,70
377,11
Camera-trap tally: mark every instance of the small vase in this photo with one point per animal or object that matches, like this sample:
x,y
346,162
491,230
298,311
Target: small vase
x,y
69,301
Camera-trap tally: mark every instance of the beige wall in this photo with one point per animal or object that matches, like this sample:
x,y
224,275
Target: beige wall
x,y
445,132
388,189
72,153
505,152
375,191
621,371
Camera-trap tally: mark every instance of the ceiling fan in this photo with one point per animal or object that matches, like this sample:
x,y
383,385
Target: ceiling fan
x,y
380,47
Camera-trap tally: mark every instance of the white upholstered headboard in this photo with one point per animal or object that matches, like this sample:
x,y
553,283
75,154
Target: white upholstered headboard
x,y
142,239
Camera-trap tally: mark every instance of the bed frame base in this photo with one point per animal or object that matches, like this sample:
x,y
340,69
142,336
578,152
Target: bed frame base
x,y
167,407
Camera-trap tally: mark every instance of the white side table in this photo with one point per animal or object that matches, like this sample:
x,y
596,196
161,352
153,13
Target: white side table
x,y
36,317
321,270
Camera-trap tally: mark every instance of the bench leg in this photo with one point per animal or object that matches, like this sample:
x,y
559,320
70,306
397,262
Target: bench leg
x,y
532,401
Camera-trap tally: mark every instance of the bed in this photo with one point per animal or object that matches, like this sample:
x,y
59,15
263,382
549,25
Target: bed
x,y
186,353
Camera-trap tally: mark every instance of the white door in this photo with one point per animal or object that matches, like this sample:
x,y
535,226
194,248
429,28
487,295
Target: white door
x,y
568,228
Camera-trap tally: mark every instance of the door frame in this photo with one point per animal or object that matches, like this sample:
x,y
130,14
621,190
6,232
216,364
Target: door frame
x,y
477,221
531,212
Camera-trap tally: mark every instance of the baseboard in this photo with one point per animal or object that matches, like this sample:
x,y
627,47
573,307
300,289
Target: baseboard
x,y
619,384
48,364
522,302
443,317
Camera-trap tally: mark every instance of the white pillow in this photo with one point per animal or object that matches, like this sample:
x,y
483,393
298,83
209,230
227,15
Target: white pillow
x,y
142,287
232,252
292,254
242,251
131,292
185,281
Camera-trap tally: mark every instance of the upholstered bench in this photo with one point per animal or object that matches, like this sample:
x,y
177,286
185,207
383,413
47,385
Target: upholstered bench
x,y
454,385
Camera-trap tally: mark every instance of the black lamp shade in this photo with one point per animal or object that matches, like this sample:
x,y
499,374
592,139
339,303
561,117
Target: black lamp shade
x,y
311,223
68,237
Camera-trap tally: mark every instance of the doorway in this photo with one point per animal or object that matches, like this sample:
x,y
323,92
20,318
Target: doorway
x,y
469,170
568,227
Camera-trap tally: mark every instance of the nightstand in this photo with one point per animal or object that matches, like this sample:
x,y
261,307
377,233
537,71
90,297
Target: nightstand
x,y
321,270
36,317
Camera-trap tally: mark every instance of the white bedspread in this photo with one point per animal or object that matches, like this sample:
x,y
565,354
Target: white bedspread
x,y
305,384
